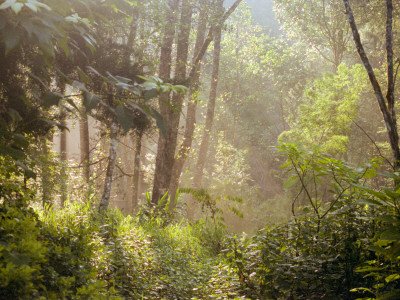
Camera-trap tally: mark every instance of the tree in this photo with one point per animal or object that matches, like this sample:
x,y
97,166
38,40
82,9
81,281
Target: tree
x,y
167,145
329,106
386,104
320,24
210,107
190,124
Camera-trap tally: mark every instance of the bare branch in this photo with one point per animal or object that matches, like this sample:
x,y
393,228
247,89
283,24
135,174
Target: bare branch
x,y
372,141
209,38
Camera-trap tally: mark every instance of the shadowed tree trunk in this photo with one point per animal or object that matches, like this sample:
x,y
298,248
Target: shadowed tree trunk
x,y
205,142
63,157
167,144
105,199
84,144
132,36
45,174
136,169
387,106
192,105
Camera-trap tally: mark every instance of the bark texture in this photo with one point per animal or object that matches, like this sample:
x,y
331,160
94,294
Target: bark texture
x,y
105,199
45,174
192,105
167,144
84,144
136,170
63,157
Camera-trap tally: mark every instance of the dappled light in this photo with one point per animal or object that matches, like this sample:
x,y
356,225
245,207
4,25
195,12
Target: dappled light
x,y
199,149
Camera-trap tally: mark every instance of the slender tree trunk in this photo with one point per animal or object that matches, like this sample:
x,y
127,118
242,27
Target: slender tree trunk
x,y
209,38
387,108
131,37
210,111
45,174
105,199
192,106
84,144
142,184
64,162
237,90
136,170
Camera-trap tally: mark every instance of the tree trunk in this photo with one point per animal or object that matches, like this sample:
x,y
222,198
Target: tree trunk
x,y
136,170
167,144
210,111
194,78
45,174
192,106
84,144
387,108
209,38
63,157
133,29
105,199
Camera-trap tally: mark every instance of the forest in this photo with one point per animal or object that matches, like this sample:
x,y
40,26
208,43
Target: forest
x,y
199,149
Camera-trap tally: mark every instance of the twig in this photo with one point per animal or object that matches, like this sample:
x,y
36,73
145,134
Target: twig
x,y
123,172
372,141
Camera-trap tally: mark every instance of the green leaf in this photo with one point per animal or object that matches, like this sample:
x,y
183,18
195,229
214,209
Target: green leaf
x,y
31,6
377,194
361,289
159,120
90,101
28,172
370,201
179,88
54,123
14,115
63,44
392,277
72,103
50,98
12,152
150,94
79,85
391,234
7,4
20,140
124,117
48,49
16,7
390,193
83,76
34,5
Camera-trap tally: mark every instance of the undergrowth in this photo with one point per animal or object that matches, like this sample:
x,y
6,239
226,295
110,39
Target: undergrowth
x,y
78,253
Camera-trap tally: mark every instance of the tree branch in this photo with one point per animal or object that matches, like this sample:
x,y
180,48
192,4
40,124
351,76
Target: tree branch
x,y
209,38
372,141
